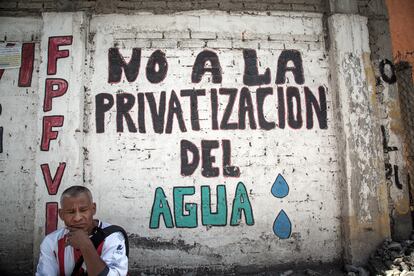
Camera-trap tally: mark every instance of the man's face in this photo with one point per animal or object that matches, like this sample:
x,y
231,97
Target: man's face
x,y
77,212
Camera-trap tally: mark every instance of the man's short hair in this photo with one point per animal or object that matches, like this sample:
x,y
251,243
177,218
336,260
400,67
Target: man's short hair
x,y
75,191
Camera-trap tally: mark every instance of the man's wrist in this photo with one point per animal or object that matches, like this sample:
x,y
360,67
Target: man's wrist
x,y
104,272
87,245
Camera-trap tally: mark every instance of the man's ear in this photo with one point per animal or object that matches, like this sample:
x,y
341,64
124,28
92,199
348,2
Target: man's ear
x,y
94,208
60,213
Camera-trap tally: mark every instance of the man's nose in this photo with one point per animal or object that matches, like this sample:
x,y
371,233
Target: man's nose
x,y
77,216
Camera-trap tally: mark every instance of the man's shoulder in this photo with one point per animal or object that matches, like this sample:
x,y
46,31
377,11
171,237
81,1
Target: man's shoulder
x,y
113,231
57,234
51,239
104,224
116,238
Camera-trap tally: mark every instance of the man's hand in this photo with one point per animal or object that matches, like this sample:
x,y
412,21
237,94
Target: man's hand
x,y
78,238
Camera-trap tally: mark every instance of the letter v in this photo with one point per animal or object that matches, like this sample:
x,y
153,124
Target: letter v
x,y
53,184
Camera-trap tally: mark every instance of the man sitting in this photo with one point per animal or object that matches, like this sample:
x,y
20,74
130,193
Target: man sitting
x,y
85,245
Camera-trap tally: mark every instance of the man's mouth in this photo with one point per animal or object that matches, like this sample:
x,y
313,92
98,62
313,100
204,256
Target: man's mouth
x,y
78,226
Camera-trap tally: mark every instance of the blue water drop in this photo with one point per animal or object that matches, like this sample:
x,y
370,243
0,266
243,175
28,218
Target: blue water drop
x,y
280,188
282,227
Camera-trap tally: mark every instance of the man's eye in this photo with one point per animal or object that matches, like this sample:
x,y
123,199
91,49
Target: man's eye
x,y
70,212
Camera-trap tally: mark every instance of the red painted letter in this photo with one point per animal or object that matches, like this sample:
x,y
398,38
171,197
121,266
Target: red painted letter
x,y
52,184
54,53
26,68
47,132
51,217
1,134
53,88
1,139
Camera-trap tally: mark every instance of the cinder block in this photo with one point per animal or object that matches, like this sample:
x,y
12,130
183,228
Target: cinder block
x,y
281,37
152,5
135,43
238,44
177,5
363,9
84,4
280,7
191,43
305,7
125,10
185,34
261,1
308,38
297,46
49,6
125,4
317,46
225,35
186,61
163,43
8,5
150,35
254,36
30,5
208,5
306,2
220,44
256,6
377,8
124,35
277,45
229,6
203,35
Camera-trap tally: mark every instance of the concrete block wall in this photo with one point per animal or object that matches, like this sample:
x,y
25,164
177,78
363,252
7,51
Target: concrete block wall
x,y
18,143
132,165
405,88
392,123
365,216
304,157
33,7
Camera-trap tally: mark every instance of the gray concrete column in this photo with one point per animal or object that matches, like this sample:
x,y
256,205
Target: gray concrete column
x,y
62,150
342,6
365,219
392,119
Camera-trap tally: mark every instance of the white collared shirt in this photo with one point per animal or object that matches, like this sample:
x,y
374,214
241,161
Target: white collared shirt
x,y
113,254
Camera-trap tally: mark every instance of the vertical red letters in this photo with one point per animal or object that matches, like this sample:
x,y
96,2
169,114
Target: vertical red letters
x,y
26,67
52,184
54,53
47,132
51,216
53,88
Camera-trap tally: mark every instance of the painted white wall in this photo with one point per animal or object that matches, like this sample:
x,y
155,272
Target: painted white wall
x,y
67,147
123,170
365,195
17,160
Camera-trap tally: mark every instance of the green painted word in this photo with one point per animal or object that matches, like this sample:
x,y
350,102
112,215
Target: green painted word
x,y
186,213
